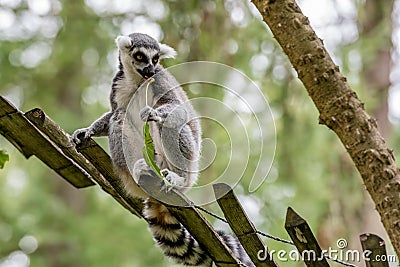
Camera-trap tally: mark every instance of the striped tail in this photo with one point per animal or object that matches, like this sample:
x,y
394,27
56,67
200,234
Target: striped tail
x,y
177,243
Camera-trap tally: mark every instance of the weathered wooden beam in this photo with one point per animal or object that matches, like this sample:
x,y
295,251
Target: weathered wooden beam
x,y
29,140
304,240
62,140
102,161
193,220
242,226
375,250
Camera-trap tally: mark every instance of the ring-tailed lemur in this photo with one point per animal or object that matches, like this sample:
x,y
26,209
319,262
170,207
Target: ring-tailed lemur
x,y
170,111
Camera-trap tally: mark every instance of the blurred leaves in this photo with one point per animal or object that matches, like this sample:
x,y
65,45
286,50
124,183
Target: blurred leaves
x,y
60,55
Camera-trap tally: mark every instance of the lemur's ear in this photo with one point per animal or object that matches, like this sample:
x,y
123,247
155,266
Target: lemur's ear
x,y
123,42
166,51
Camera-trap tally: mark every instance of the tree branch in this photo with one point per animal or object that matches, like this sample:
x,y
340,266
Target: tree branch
x,y
339,107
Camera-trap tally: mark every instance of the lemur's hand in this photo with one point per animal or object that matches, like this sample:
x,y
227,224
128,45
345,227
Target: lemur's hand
x,y
81,135
150,114
170,118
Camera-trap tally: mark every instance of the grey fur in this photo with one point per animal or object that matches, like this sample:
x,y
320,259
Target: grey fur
x,y
176,134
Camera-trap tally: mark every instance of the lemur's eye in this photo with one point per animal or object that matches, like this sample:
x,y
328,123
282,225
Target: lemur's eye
x,y
139,57
155,60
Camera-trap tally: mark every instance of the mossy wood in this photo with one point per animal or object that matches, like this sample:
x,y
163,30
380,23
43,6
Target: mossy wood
x,y
242,226
304,240
376,255
29,140
94,160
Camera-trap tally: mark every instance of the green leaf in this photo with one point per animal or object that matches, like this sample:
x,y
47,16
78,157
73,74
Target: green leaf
x,y
149,151
3,158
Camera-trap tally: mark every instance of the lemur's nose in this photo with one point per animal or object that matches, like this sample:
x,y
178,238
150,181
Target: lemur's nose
x,y
148,71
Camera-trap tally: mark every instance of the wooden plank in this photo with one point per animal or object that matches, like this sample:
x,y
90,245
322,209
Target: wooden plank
x,y
6,107
242,226
194,221
375,249
102,162
304,240
31,141
7,110
62,140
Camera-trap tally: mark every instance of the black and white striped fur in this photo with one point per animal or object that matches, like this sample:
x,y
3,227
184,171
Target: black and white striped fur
x,y
177,243
177,138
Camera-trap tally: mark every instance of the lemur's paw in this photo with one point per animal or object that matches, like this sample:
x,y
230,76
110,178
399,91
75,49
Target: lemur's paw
x,y
81,135
140,168
149,114
124,42
171,181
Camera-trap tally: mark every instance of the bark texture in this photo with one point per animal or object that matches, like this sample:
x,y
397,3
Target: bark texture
x,y
339,107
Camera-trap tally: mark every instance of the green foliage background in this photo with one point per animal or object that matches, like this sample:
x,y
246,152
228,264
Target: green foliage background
x,y
61,58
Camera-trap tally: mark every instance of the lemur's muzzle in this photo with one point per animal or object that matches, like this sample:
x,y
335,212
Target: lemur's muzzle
x,y
148,71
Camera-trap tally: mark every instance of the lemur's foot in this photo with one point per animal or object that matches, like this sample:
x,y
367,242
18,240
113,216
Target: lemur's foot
x,y
141,168
81,135
150,114
171,180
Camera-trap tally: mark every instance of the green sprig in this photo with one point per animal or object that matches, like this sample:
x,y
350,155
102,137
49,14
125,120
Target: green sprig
x,y
149,151
3,158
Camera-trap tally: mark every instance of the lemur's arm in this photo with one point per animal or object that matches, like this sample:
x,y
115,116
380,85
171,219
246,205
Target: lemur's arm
x,y
98,128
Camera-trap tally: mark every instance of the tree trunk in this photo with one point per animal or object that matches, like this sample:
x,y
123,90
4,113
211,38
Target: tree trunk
x,y
339,107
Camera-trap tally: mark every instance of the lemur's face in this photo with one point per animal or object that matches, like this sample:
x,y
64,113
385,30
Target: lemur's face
x,y
140,53
145,60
